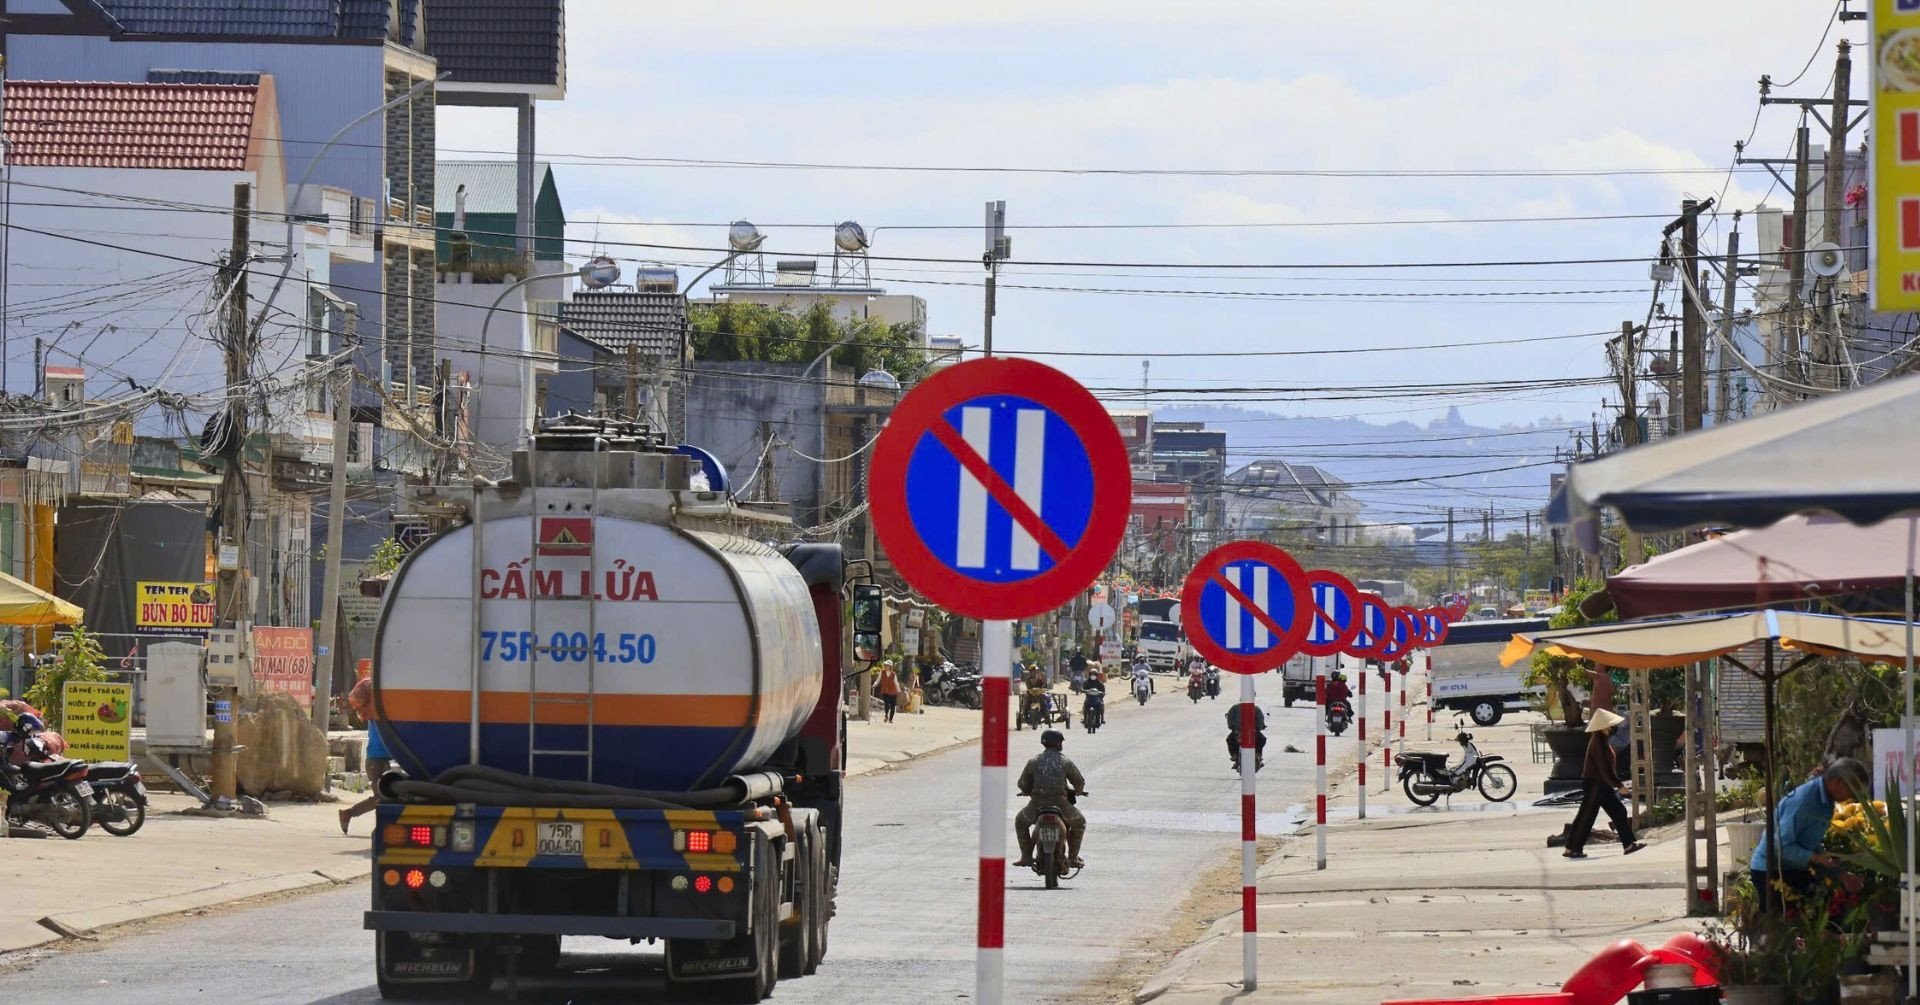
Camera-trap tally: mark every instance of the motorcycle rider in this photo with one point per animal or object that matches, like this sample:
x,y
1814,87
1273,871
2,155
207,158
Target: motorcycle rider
x,y
1337,689
1259,735
1197,678
1093,695
1035,696
1050,779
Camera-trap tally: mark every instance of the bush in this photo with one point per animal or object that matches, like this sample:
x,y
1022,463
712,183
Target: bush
x,y
79,658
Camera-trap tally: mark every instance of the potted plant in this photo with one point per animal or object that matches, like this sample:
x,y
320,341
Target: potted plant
x,y
1872,836
1560,675
1752,951
78,658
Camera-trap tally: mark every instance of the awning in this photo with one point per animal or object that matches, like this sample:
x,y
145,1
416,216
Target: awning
x,y
1846,454
1651,645
24,605
1797,558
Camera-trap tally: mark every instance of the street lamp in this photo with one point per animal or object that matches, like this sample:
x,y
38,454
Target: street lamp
x,y
597,274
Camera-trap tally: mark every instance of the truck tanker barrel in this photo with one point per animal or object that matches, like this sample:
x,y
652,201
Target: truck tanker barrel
x,y
608,647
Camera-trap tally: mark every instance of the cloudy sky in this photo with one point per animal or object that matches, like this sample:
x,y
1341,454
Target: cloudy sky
x,y
1490,86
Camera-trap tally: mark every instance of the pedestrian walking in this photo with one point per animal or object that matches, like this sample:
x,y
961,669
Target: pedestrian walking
x,y
1601,789
378,760
888,687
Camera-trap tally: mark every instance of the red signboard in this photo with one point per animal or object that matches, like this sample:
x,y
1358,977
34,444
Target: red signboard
x,y
283,662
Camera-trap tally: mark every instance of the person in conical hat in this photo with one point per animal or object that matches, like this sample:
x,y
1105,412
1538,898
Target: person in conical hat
x,y
1601,789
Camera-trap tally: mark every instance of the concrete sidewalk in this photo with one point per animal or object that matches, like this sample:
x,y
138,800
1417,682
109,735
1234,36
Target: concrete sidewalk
x,y
1449,902
181,863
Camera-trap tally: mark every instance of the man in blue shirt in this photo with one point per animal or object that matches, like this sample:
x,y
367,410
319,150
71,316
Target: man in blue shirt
x,y
1802,818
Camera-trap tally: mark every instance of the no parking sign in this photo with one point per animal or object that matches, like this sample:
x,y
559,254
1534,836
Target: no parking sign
x,y
1246,607
1336,619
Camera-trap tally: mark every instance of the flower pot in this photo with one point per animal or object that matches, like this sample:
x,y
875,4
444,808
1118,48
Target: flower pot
x,y
1569,748
1869,989
1743,836
1665,732
1753,994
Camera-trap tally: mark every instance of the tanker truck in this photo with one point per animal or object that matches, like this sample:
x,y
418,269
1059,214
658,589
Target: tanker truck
x,y
614,711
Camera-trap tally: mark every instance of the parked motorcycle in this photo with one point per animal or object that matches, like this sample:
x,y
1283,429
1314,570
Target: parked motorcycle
x,y
1093,709
1213,682
54,794
949,684
1339,716
1425,777
1050,858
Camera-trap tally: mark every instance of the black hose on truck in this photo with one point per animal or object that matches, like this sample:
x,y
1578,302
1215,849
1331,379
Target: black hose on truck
x,y
485,786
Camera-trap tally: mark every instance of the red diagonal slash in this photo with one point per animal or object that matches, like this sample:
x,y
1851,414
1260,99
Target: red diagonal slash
x,y
999,490
1247,602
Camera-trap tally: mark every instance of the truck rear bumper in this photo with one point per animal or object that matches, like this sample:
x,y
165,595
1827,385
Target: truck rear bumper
x,y
549,924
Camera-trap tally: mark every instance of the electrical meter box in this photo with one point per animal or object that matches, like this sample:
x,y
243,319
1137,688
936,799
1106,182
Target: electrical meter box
x,y
176,696
228,662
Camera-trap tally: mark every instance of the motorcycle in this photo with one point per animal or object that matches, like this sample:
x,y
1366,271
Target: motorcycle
x,y
54,794
1425,777
1050,859
1093,709
1196,688
1142,689
119,795
1339,716
1213,682
1039,709
948,684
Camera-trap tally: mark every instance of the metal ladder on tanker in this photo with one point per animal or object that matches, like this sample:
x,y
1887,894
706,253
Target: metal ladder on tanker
x,y
546,646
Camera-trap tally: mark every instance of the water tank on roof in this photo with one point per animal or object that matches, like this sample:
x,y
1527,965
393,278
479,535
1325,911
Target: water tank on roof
x,y
656,279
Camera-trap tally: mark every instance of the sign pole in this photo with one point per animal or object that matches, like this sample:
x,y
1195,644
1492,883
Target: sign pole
x,y
1320,772
1360,719
1249,859
1403,708
1427,658
1386,728
996,691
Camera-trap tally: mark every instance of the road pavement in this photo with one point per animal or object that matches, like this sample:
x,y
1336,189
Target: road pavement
x,y
1164,810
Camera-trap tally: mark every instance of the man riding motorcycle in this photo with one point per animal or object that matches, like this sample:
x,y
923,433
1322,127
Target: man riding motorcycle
x,y
1337,689
1050,779
1259,735
1093,697
1033,700
1197,681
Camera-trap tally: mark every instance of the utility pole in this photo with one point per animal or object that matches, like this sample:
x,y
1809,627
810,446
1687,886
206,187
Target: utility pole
x,y
1693,364
1629,406
1723,386
1827,341
1449,549
1796,254
230,587
999,249
324,650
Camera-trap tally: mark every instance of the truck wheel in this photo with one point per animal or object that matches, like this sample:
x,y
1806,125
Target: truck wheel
x,y
1486,712
766,931
822,901
796,938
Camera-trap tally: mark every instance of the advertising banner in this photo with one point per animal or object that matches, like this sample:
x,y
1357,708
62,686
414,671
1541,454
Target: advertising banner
x,y
1893,180
283,662
98,722
166,608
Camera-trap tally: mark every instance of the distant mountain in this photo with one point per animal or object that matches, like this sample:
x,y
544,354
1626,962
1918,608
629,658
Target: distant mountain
x,y
1396,468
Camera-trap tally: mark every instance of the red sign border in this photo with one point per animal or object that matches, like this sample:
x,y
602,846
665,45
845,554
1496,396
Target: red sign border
x,y
1336,580
927,403
1401,616
1435,618
1285,644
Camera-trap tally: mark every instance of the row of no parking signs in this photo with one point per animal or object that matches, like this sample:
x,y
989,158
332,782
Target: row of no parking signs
x,y
1000,489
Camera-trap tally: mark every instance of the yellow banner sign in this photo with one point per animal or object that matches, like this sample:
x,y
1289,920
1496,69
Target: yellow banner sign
x,y
1893,183
173,608
98,721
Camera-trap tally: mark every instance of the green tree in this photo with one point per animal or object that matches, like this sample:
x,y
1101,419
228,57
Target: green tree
x,y
78,658
757,333
1561,674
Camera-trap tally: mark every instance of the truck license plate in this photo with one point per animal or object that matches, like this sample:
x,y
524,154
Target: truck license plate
x,y
561,839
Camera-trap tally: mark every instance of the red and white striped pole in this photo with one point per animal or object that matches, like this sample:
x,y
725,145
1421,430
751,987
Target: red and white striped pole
x,y
1249,859
996,691
1427,657
1320,772
1403,707
1360,719
1386,727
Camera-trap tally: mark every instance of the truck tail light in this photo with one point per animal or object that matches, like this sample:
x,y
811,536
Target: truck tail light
x,y
693,842
703,884
420,836
416,879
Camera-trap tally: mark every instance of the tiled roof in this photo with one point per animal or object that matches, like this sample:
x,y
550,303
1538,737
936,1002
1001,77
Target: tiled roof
x,y
203,76
499,41
492,186
194,127
1281,481
616,319
365,19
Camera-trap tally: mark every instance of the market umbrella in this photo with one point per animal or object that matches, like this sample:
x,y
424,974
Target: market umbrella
x,y
1649,645
1846,454
1800,557
24,605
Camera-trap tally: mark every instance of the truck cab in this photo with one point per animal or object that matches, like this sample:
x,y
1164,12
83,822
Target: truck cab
x,y
1164,645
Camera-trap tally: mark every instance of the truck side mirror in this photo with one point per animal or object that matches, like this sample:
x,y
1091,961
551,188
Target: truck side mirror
x,y
866,622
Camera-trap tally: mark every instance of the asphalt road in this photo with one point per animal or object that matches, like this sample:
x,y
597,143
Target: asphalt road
x,y
1164,808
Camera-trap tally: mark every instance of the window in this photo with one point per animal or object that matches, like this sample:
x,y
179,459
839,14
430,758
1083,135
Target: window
x,y
1160,631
